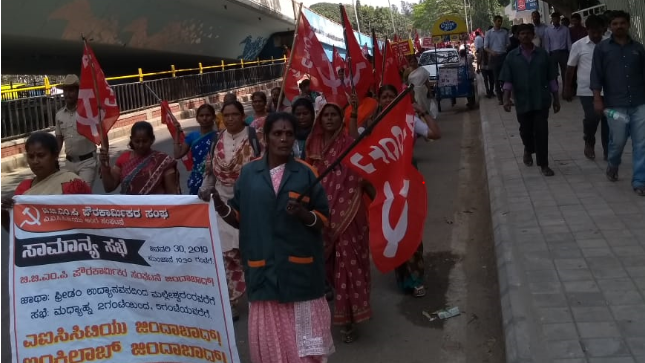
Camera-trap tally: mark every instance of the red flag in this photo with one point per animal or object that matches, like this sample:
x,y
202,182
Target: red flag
x,y
310,61
391,74
361,69
396,38
378,61
337,61
397,214
417,41
169,119
92,82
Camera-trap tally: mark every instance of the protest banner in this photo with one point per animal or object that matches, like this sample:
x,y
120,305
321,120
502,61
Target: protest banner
x,y
118,278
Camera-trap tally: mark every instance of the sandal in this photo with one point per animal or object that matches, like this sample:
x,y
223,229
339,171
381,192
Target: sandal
x,y
349,334
419,291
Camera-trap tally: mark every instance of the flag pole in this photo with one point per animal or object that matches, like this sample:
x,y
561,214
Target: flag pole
x,y
105,143
367,132
153,93
385,46
288,66
348,56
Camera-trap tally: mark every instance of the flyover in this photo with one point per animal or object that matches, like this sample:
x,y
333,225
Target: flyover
x,y
44,36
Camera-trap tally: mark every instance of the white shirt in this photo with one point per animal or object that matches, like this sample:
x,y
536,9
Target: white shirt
x,y
479,42
319,103
581,56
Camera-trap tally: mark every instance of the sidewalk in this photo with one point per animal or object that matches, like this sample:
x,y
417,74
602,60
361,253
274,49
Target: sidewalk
x,y
570,248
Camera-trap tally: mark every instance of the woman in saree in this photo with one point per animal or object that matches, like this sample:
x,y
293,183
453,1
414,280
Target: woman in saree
x,y
409,276
141,171
419,77
347,259
42,157
259,105
237,145
282,250
199,144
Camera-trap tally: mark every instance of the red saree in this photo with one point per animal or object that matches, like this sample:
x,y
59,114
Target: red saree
x,y
143,175
346,237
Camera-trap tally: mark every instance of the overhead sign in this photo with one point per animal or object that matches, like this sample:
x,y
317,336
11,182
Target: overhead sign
x,y
426,42
449,24
525,5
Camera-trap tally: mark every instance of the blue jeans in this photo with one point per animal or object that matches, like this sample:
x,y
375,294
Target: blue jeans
x,y
619,132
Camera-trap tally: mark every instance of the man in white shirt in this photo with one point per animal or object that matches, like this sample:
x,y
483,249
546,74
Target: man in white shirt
x,y
479,49
579,63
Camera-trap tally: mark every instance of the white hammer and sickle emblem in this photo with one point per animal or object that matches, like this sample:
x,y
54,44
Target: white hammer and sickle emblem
x,y
33,220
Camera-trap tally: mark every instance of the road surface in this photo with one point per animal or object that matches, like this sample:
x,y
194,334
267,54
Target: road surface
x,y
460,262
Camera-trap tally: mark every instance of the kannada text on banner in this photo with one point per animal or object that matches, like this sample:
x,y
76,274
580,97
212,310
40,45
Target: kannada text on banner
x,y
118,278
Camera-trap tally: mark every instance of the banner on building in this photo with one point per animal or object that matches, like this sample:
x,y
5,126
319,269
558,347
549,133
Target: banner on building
x,y
525,5
118,279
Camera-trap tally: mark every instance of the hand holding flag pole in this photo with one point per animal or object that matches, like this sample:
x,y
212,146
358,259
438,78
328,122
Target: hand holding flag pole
x,y
360,137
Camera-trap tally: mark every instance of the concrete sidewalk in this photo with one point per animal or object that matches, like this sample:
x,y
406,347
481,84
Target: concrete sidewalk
x,y
570,248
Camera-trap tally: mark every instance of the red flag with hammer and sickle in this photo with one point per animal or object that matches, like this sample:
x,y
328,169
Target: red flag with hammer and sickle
x,y
397,214
94,95
361,69
310,61
171,121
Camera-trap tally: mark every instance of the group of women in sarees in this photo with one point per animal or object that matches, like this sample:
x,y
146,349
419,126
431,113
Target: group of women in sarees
x,y
294,242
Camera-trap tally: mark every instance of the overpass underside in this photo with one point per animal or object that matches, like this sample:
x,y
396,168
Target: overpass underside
x,y
44,36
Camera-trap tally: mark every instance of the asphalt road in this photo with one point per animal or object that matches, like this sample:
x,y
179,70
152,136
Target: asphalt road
x,y
460,262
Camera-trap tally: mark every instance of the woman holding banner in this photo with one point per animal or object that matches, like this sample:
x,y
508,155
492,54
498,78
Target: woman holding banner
x,y
141,171
198,143
346,239
282,250
42,156
237,145
409,276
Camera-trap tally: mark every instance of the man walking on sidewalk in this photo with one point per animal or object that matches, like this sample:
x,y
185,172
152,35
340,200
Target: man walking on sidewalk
x,y
618,70
495,43
79,151
531,76
557,41
580,59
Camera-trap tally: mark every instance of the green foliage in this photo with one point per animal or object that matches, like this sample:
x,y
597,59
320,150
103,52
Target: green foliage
x,y
427,12
380,19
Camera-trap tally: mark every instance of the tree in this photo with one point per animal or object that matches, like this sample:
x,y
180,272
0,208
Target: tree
x,y
427,12
379,19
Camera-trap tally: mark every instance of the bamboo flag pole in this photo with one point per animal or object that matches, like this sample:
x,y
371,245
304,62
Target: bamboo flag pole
x,y
360,137
385,46
288,67
348,56
105,143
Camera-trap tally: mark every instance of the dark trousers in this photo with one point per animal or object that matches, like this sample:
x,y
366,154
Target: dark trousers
x,y
590,124
534,131
495,63
559,59
488,82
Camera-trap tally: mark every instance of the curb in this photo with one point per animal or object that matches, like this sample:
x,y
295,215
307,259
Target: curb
x,y
522,331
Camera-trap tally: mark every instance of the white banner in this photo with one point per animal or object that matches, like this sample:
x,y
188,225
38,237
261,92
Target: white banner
x,y
118,278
